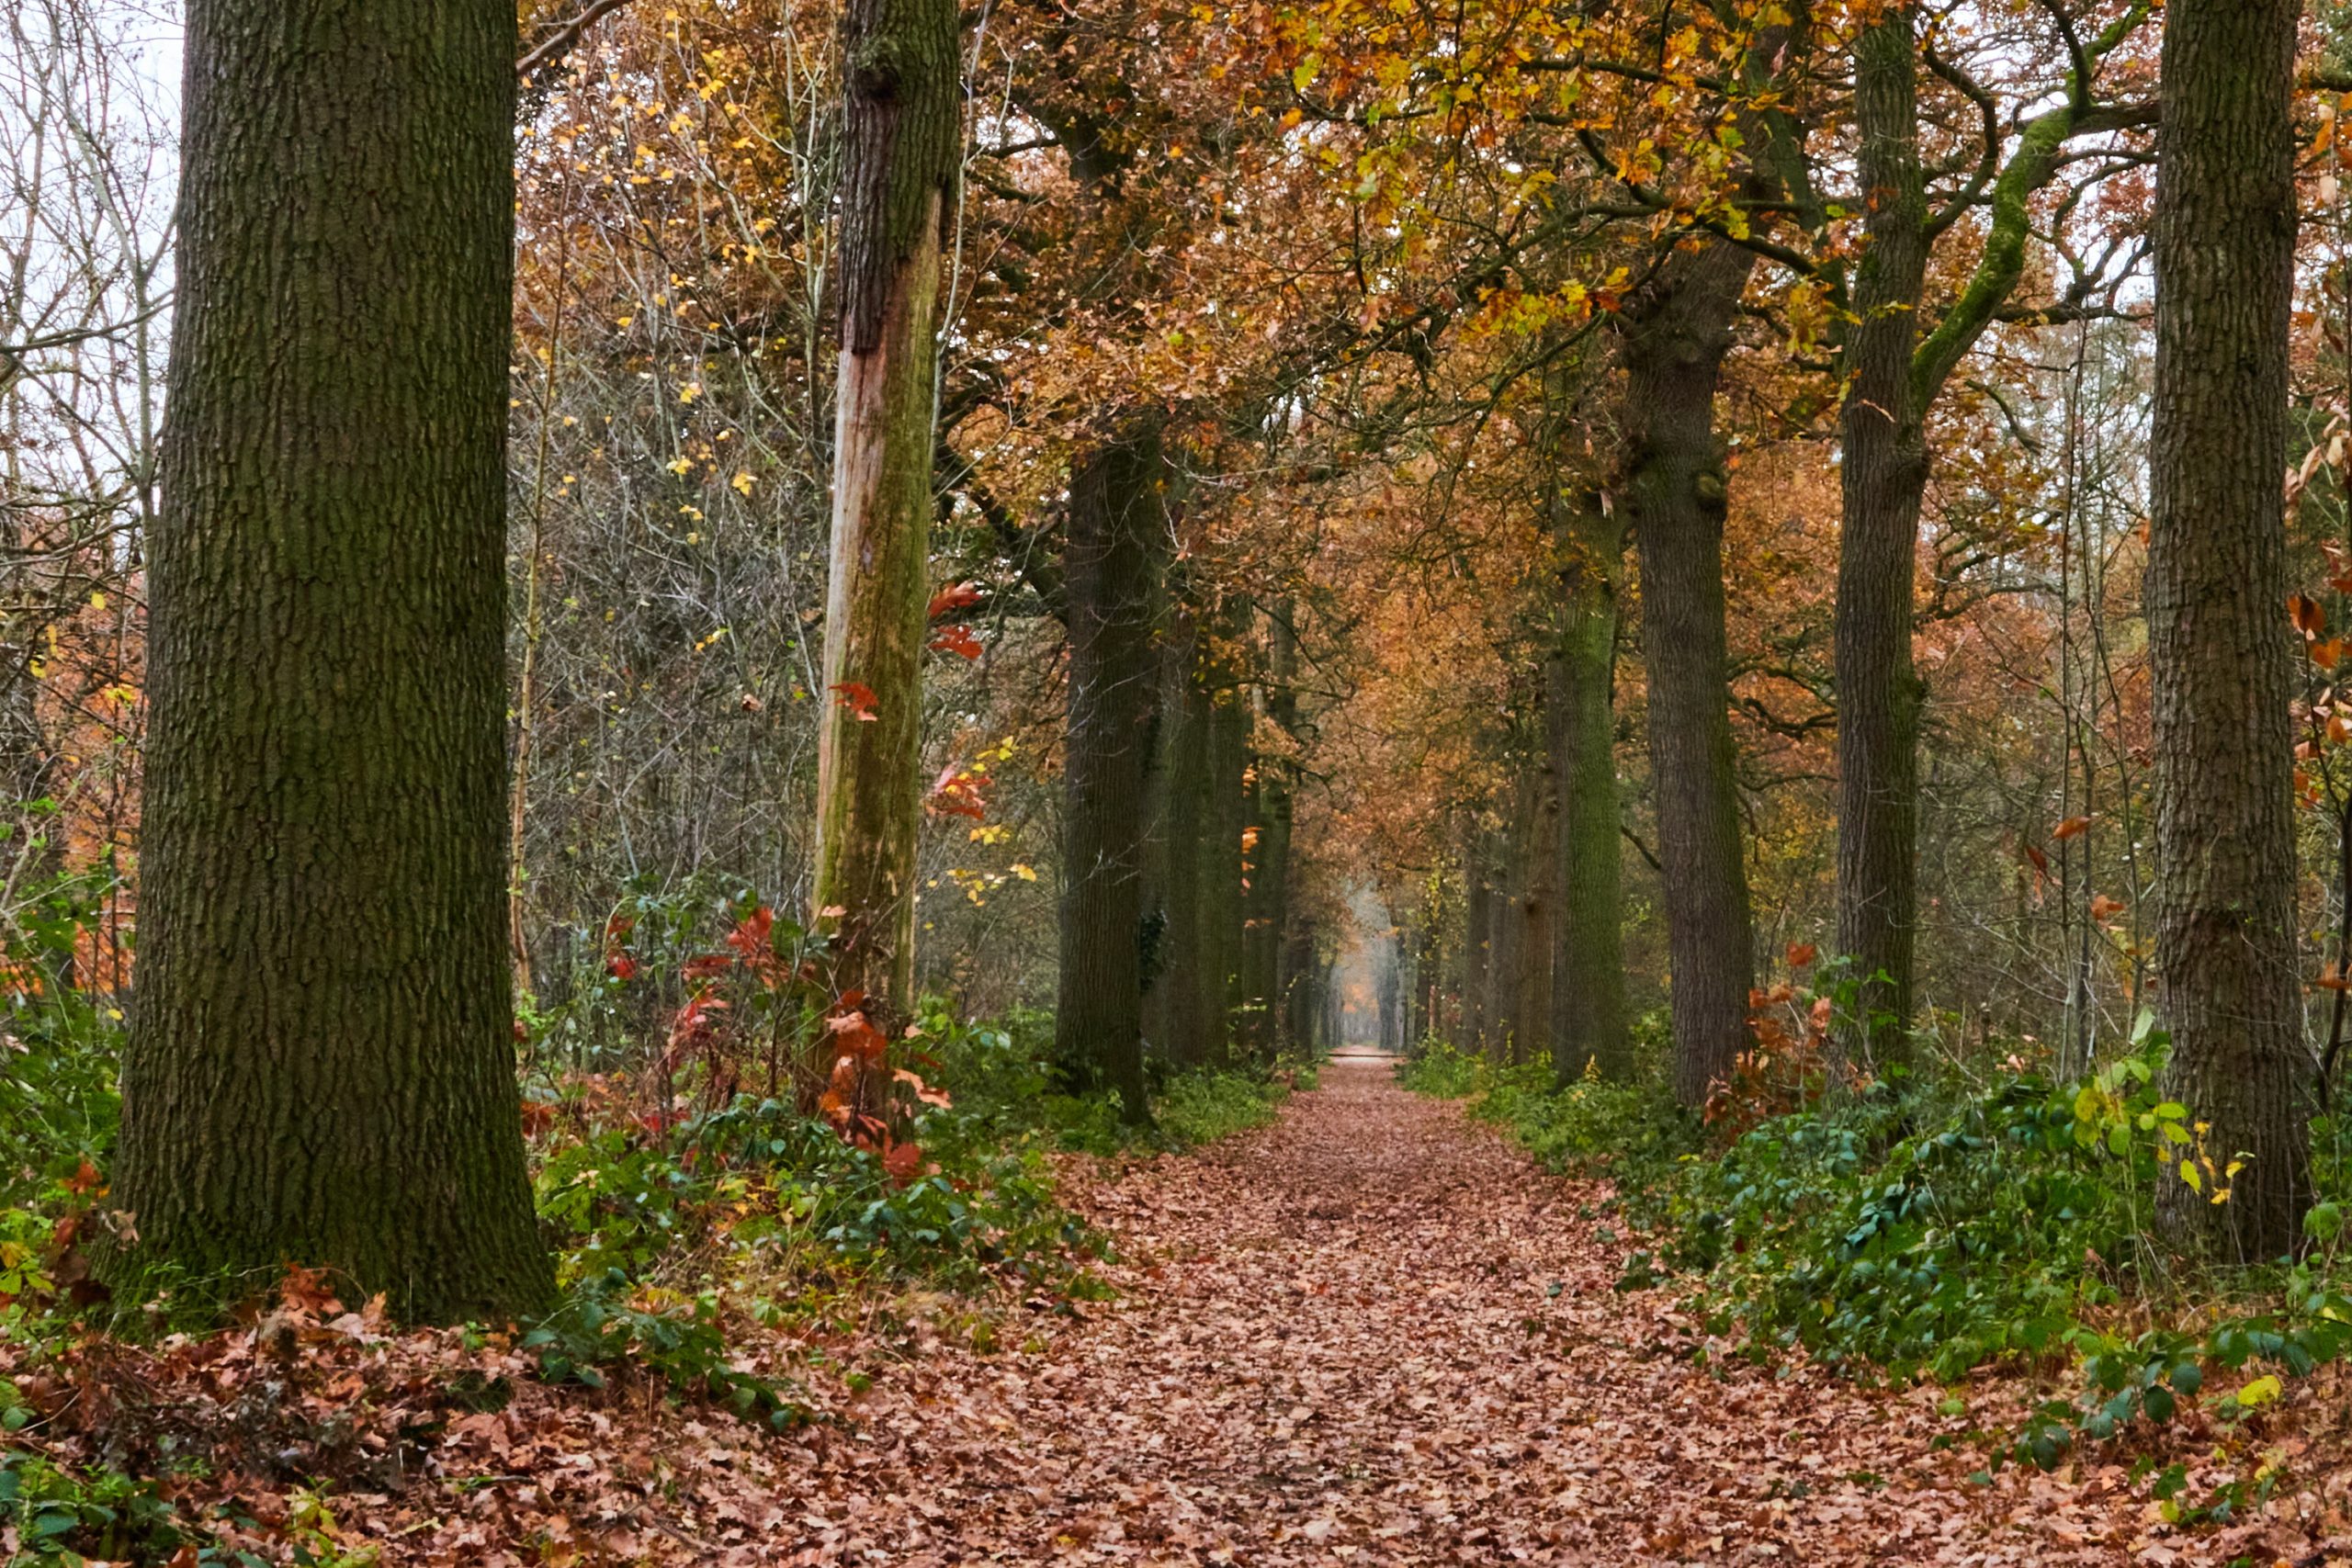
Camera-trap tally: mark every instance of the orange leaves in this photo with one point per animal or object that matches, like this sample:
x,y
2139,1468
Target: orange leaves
x,y
1801,954
2072,828
2307,615
961,596
2333,979
858,698
959,640
2104,909
857,1093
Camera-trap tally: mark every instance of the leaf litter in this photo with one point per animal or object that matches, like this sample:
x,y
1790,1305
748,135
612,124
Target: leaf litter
x,y
1370,1334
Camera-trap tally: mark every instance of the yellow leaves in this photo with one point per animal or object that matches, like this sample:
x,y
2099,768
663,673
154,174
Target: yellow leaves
x,y
1024,872
2262,1391
741,483
680,467
690,392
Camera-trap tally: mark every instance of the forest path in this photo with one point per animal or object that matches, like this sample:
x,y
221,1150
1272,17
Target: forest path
x,y
1375,1334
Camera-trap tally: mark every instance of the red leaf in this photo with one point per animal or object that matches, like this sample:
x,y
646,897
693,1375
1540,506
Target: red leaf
x,y
958,794
2040,862
1801,955
957,639
904,1162
749,937
705,967
962,595
858,698
621,966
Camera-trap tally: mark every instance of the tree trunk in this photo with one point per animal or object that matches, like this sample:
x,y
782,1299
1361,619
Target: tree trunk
x,y
902,115
2218,644
1478,947
1180,1025
1676,493
1580,731
1299,943
1883,477
1117,522
1224,900
321,1070
1269,901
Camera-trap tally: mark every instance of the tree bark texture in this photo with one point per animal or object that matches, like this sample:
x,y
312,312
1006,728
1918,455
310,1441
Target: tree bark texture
x,y
1180,1026
321,1070
1580,732
2218,643
1677,334
903,124
1883,479
1117,521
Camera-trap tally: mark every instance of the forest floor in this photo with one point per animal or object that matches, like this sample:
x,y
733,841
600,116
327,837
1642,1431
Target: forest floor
x,y
1372,1333
1375,1334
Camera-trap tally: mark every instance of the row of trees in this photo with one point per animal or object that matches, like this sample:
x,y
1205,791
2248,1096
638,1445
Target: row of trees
x,y
1514,471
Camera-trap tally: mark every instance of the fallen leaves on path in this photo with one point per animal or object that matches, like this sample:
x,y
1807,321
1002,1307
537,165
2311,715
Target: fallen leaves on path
x,y
1372,1334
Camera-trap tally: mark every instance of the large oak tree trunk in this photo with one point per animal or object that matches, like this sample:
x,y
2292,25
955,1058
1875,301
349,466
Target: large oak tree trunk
x,y
903,119
1883,477
1116,525
2218,642
321,1070
1676,337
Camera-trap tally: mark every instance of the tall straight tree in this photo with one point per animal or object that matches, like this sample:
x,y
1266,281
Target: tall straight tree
x,y
1676,335
1117,524
903,114
1580,730
321,1070
2218,642
1895,364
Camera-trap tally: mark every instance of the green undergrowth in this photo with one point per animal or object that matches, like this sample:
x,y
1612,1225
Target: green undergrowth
x,y
689,1218
1972,1220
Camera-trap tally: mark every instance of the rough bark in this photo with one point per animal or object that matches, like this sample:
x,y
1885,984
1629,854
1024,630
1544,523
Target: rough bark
x,y
1884,479
1117,524
2218,639
902,112
1675,489
1580,731
1180,1026
321,1070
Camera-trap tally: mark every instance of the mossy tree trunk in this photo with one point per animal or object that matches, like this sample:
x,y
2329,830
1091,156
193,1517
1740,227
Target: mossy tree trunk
x,y
903,114
1179,1024
2218,639
1117,521
321,1070
1580,730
